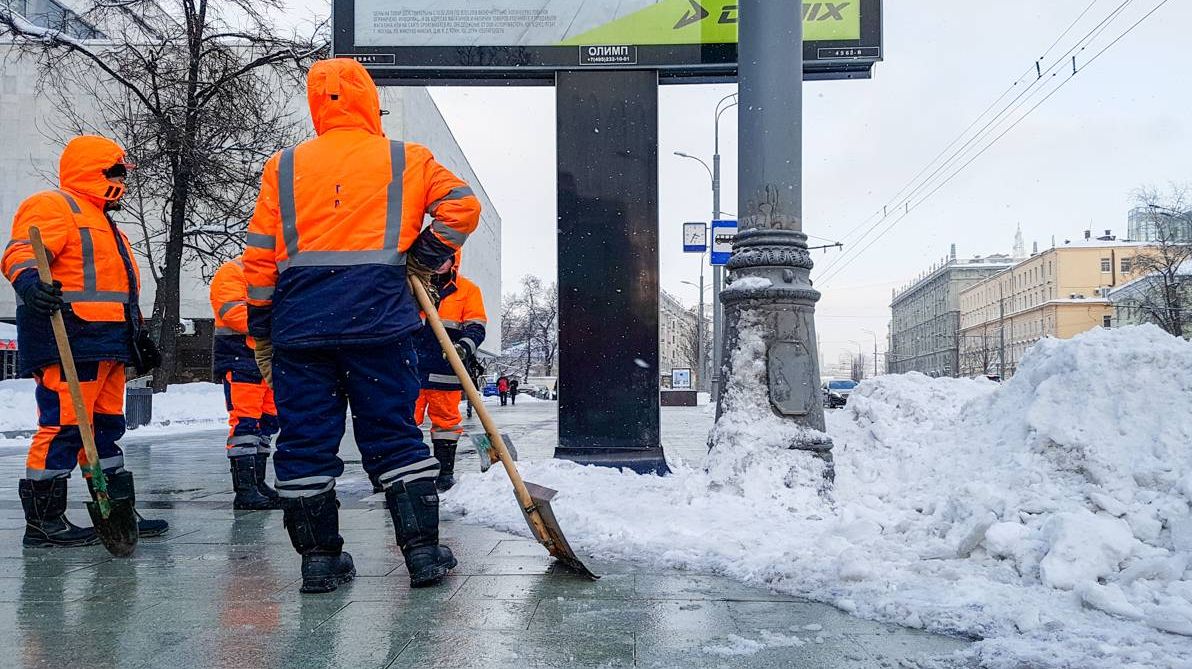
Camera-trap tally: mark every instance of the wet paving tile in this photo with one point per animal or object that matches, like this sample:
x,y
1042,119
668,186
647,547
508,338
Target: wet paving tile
x,y
221,590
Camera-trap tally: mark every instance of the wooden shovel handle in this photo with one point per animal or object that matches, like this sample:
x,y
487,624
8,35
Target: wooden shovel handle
x,y
519,486
68,365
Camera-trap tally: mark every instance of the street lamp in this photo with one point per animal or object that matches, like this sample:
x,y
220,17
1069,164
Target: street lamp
x,y
874,348
699,327
717,271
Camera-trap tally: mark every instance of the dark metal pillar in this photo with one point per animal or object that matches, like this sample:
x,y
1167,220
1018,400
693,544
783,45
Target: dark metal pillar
x,y
769,290
608,269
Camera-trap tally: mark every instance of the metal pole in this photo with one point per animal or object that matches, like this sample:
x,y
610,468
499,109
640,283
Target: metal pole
x,y
699,331
717,285
779,304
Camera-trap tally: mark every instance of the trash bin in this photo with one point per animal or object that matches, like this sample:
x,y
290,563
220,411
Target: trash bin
x,y
138,407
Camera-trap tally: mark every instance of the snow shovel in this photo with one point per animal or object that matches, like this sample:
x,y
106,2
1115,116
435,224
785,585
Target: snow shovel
x,y
114,518
534,500
486,451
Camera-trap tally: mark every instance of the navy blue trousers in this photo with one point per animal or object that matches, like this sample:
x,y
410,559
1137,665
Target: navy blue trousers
x,y
313,389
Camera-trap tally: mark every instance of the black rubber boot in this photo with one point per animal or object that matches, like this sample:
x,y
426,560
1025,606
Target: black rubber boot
x,y
262,464
121,486
45,516
244,482
376,484
313,524
445,454
415,510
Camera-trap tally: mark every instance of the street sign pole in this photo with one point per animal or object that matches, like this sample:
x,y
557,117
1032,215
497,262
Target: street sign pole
x,y
769,290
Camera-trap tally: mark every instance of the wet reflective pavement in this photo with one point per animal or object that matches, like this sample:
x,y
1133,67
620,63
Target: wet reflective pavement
x,y
221,589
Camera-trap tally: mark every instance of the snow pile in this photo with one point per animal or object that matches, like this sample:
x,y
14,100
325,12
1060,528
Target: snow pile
x,y
188,403
1049,516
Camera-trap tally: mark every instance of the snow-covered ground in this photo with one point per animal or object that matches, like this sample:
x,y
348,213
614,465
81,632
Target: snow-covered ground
x,y
1048,517
183,404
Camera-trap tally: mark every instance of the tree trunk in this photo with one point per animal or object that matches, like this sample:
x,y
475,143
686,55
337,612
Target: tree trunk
x,y
167,303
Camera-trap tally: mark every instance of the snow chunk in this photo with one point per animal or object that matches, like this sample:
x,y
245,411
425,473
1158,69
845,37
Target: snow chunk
x,y
1083,547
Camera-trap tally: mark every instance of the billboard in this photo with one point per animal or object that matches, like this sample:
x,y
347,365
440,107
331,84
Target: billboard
x,y
490,41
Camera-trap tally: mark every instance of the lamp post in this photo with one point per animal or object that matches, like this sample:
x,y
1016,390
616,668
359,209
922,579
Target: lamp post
x,y
717,271
699,329
874,348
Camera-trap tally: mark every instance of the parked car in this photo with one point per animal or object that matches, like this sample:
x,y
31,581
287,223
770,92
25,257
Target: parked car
x,y
836,392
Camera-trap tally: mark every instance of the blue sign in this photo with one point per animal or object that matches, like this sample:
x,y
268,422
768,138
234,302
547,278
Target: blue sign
x,y
723,234
695,237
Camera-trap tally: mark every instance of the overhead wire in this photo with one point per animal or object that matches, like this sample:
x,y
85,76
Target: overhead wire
x,y
910,207
998,118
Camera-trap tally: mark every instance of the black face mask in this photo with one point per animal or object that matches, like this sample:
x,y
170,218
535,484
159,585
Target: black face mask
x,y
444,280
117,171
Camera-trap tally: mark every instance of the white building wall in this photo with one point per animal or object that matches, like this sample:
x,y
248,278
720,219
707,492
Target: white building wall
x,y
29,162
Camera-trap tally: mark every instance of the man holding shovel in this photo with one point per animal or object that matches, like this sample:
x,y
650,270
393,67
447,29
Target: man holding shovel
x,y
96,287
338,224
461,307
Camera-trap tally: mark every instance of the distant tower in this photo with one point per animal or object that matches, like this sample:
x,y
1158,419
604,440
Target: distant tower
x,y
952,254
1019,245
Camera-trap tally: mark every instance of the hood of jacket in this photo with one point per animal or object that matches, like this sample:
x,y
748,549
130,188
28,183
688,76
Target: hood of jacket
x,y
341,94
82,164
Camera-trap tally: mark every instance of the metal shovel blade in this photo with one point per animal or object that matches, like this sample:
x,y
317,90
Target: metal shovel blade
x,y
488,455
118,531
554,542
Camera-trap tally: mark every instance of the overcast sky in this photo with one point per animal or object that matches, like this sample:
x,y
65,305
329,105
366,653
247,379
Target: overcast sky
x,y
1072,164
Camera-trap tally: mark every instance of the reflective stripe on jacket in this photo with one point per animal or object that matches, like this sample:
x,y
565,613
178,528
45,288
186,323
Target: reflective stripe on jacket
x,y
232,348
463,316
336,216
88,254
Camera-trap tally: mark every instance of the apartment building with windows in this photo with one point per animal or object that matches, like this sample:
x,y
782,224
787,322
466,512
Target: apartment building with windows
x,y
1060,292
925,315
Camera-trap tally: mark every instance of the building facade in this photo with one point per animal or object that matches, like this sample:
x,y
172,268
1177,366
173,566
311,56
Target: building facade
x,y
1060,292
1139,301
925,315
1152,224
29,164
676,340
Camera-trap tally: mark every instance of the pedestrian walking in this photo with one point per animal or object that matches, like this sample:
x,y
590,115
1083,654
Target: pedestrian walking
x,y
96,287
503,389
513,386
461,309
252,415
337,228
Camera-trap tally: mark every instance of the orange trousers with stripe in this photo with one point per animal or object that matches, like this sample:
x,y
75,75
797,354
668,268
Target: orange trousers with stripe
x,y
58,445
443,407
252,414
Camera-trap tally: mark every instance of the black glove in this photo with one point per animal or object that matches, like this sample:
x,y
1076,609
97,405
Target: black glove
x,y
43,298
146,357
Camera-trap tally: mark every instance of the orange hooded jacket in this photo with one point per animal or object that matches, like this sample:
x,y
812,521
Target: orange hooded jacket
x,y
337,218
88,254
232,346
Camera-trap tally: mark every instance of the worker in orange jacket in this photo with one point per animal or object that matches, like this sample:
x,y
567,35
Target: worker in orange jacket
x,y
96,287
252,416
338,222
461,309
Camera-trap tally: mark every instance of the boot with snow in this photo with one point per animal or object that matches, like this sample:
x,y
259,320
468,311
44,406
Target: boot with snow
x,y
262,463
45,516
445,454
244,482
415,510
313,525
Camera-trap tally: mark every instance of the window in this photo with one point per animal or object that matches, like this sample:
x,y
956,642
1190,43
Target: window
x,y
1106,265
1107,321
1127,265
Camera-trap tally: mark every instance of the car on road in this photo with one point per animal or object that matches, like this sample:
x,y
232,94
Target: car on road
x,y
836,392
